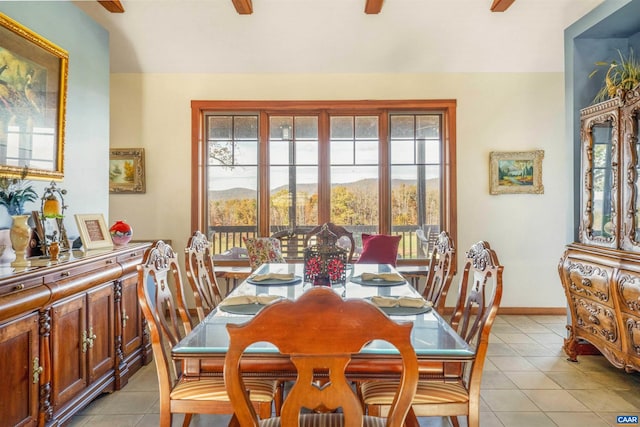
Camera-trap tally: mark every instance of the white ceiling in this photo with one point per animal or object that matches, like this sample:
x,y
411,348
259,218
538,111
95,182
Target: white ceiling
x,y
336,36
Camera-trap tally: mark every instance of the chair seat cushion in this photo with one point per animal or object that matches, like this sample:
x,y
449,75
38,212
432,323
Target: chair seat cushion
x,y
379,249
382,392
214,389
262,250
325,420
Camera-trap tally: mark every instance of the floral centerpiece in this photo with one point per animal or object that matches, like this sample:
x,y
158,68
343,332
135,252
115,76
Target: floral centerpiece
x,y
15,192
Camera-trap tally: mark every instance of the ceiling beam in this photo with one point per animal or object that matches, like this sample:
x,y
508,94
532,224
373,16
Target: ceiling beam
x,y
373,7
501,5
113,6
243,7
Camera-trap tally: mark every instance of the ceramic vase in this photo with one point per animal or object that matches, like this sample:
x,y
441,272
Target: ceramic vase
x,y
20,236
121,233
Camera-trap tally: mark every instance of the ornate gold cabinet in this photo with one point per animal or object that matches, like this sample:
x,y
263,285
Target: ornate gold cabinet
x,y
61,334
601,273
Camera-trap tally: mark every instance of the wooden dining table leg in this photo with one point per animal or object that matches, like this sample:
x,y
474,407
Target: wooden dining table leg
x,y
411,420
233,422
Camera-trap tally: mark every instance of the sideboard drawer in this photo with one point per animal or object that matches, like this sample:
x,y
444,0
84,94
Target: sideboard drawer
x,y
596,321
13,286
590,280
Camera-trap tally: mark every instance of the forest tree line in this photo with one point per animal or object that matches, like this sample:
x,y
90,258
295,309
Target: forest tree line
x,y
350,205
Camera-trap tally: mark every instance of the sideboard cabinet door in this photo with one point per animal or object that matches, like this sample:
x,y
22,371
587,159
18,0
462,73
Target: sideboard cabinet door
x,y
131,318
630,168
82,343
19,347
600,135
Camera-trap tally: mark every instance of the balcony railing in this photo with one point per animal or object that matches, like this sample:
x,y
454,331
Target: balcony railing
x,y
228,244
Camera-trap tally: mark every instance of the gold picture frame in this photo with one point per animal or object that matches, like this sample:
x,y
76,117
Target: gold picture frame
x,y
94,232
34,75
126,170
516,172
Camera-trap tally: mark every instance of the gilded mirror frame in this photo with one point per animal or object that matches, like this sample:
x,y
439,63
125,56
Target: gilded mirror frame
x,y
33,83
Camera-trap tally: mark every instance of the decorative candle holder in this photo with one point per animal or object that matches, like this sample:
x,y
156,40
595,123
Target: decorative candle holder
x,y
49,222
325,263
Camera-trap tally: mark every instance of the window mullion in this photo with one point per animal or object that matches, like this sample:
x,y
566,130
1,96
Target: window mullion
x,y
384,182
324,165
263,175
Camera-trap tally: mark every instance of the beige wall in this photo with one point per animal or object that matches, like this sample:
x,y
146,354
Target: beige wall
x,y
496,112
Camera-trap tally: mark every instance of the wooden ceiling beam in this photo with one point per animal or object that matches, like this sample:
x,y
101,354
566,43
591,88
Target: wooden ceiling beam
x,y
113,6
373,7
243,7
501,5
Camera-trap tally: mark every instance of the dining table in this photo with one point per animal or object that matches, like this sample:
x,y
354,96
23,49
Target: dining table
x,y
438,347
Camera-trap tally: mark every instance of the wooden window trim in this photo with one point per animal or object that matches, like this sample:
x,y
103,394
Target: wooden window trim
x,y
447,107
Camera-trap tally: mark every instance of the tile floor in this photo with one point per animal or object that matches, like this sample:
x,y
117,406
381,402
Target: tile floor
x,y
527,383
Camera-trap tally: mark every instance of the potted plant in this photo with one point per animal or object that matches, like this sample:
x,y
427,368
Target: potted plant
x,y
15,192
621,75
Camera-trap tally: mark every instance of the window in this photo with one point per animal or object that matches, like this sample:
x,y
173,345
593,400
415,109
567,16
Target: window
x,y
261,168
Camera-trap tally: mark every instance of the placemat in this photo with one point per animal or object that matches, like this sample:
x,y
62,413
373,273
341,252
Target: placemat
x,y
406,311
245,309
275,282
375,282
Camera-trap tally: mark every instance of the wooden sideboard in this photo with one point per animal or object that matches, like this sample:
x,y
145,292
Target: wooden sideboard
x,y
69,331
603,292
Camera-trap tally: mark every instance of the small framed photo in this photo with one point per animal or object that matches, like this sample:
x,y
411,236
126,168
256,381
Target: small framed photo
x,y
93,231
126,170
516,172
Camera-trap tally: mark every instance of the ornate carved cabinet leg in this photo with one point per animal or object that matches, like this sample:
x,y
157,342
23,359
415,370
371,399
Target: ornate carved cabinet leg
x,y
44,369
570,345
121,368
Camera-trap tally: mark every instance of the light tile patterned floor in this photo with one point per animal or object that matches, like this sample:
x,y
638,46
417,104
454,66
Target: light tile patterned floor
x,y
527,383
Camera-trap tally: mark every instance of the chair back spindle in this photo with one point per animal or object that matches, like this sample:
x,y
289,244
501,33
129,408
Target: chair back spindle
x,y
201,274
441,271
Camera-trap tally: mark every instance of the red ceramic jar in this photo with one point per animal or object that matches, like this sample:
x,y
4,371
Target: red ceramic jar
x,y
121,233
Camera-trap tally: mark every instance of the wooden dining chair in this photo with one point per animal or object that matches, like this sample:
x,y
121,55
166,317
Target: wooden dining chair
x,y
292,242
441,271
168,323
344,237
473,318
201,275
320,332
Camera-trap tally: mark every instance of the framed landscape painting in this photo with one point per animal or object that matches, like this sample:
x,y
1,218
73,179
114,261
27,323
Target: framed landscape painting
x,y
516,172
126,170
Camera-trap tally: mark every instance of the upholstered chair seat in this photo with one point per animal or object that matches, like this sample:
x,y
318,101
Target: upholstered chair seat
x,y
382,392
214,389
325,420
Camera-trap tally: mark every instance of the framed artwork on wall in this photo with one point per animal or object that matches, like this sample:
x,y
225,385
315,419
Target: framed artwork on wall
x,y
33,76
126,170
516,172
94,232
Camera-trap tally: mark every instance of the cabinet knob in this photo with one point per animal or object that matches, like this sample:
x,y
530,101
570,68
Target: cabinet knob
x,y
109,261
125,317
37,370
65,274
18,287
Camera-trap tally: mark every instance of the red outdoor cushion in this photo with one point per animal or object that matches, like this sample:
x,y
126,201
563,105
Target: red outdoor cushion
x,y
379,249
